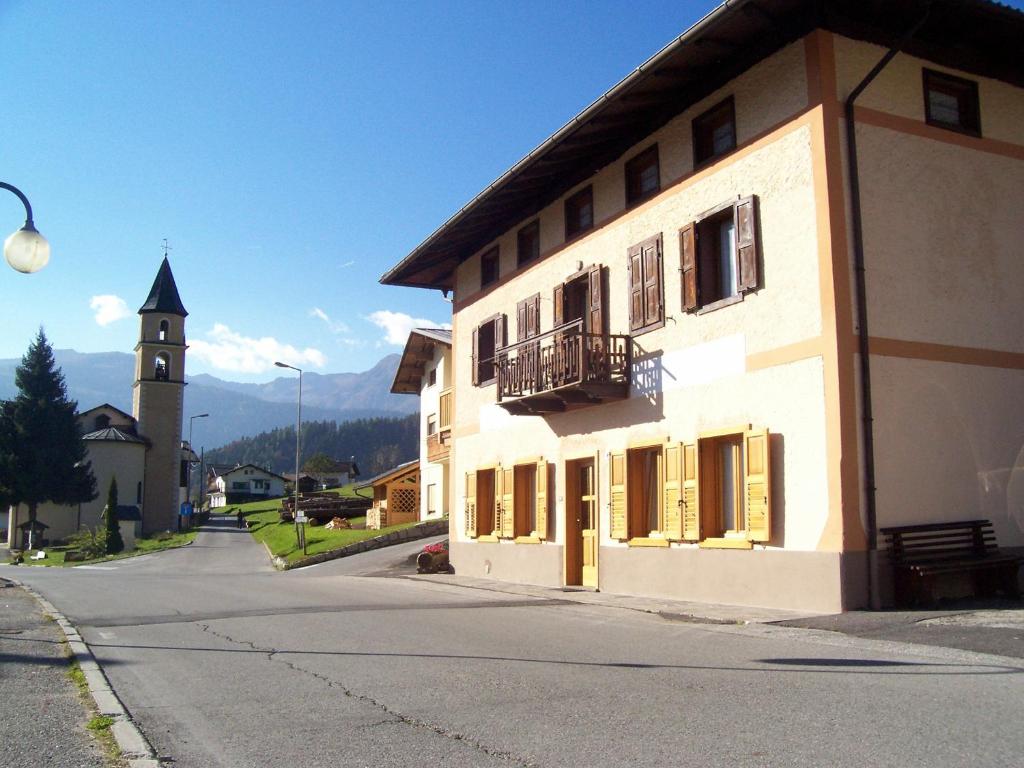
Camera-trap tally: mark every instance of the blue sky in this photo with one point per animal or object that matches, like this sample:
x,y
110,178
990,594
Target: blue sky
x,y
289,152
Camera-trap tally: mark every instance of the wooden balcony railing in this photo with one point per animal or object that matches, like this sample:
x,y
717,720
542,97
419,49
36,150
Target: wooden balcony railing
x,y
445,410
563,368
438,446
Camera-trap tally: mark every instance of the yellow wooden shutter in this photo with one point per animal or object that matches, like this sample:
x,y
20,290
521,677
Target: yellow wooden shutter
x,y
691,493
471,504
618,496
542,500
508,503
757,481
671,491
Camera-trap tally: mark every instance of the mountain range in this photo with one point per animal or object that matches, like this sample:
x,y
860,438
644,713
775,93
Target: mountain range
x,y
236,409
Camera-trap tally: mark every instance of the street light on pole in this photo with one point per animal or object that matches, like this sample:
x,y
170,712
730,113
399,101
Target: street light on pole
x,y
298,432
188,472
25,250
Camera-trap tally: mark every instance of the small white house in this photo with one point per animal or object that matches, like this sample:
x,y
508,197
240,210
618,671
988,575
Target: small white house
x,y
240,484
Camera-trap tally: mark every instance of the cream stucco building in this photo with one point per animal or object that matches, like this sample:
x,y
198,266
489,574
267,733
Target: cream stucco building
x,y
143,450
426,370
695,356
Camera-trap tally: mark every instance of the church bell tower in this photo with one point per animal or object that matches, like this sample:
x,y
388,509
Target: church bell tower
x,y
157,396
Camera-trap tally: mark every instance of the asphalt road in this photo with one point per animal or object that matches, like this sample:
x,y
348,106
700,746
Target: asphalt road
x,y
224,662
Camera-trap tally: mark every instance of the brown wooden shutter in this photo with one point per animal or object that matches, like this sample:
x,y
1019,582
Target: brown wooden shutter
x,y
533,316
508,502
595,306
559,305
476,357
691,492
542,500
757,482
521,320
500,339
652,281
619,527
747,245
636,288
672,492
471,505
688,265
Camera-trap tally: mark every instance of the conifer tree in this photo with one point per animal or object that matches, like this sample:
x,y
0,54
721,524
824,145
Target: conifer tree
x,y
114,541
42,456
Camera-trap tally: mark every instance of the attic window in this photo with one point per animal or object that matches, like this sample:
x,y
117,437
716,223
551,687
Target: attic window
x,y
642,176
102,421
528,243
714,132
951,102
489,267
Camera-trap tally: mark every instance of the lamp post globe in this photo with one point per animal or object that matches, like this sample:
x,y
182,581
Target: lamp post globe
x,y
26,250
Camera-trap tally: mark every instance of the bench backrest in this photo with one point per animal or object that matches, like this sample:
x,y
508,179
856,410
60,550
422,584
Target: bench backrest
x,y
934,542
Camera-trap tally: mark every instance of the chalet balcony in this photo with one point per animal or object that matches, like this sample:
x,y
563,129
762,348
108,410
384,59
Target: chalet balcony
x,y
439,446
439,441
563,369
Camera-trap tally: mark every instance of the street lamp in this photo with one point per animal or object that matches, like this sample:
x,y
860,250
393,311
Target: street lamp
x,y
188,472
26,250
298,431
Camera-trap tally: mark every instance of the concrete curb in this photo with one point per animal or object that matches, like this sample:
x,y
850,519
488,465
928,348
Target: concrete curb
x,y
421,531
135,748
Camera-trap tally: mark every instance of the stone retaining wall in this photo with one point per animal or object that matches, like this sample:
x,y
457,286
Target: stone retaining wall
x,y
421,531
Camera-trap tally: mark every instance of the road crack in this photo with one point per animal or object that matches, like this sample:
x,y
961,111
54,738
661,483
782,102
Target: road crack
x,y
393,716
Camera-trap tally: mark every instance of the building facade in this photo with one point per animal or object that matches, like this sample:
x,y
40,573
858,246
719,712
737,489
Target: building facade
x,y
243,483
426,370
658,316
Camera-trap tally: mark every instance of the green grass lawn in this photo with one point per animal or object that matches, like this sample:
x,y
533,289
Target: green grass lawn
x,y
266,526
143,546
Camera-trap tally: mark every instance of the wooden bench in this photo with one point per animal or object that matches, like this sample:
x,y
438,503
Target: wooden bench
x,y
921,553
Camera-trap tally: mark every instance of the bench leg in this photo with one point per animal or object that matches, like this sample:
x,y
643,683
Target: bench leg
x,y
1008,581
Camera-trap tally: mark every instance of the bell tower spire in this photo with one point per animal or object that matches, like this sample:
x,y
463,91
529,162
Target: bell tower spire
x,y
157,397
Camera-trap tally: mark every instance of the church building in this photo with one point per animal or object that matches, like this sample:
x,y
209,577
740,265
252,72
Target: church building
x,y
142,450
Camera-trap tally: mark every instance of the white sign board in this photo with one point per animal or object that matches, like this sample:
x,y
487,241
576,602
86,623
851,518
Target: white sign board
x,y
300,518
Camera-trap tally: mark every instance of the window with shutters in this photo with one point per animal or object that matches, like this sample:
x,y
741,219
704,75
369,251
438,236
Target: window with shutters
x,y
528,243
529,501
714,132
528,318
431,424
487,338
642,507
720,256
951,102
646,286
483,503
643,179
489,267
432,377
728,500
579,213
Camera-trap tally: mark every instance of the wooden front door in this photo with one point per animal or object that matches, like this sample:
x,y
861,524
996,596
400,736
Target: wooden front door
x,y
588,523
581,528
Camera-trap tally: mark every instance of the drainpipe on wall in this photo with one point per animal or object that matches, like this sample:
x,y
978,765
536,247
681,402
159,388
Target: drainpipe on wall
x,y
867,417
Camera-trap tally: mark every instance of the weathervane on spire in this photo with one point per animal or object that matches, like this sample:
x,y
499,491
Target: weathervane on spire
x,y
166,247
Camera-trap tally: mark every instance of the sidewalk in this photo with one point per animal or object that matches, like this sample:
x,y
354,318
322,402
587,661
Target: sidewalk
x,y
42,716
992,626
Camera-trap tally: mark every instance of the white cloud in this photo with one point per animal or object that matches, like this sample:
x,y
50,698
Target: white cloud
x,y
397,325
349,263
336,326
109,308
230,351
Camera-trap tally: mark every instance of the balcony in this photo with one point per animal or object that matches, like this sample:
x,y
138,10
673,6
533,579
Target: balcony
x,y
439,446
562,370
